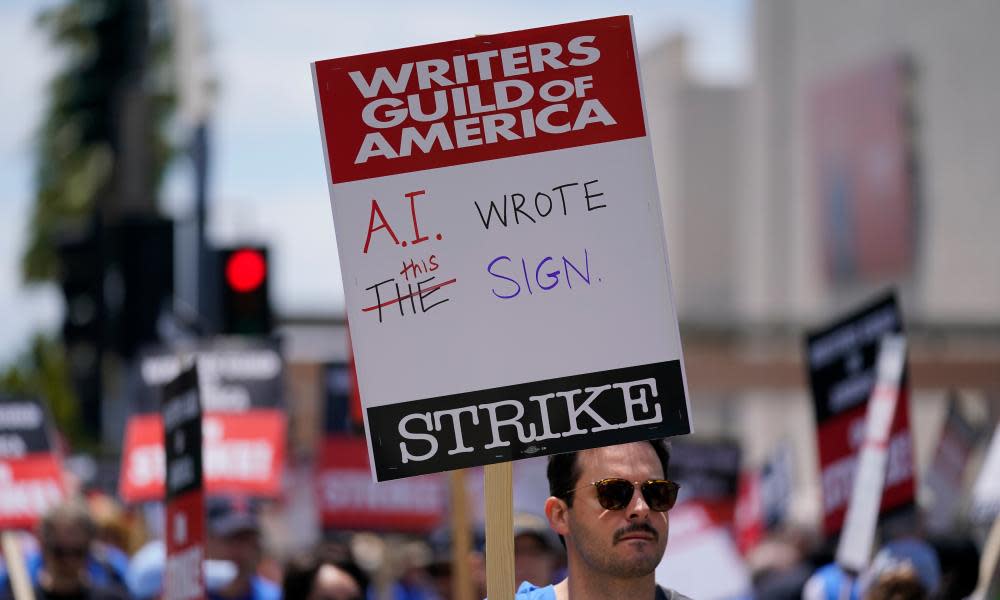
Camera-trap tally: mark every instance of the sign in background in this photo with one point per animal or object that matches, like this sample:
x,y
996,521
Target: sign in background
x,y
30,474
183,578
350,500
244,427
946,474
842,373
499,231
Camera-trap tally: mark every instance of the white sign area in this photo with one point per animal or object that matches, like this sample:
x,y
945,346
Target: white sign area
x,y
499,232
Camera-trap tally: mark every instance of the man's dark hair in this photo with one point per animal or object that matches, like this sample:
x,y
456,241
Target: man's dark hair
x,y
564,470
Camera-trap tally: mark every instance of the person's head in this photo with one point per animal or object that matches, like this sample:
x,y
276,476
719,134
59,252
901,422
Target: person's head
x,y
234,533
612,525
537,552
66,533
906,569
898,583
317,579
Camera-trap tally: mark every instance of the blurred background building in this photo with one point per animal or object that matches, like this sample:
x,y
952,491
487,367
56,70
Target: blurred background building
x,y
857,157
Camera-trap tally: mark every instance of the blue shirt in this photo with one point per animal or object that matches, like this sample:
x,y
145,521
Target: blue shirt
x,y
529,591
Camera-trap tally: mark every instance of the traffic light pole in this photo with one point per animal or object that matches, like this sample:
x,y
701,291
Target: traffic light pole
x,y
205,258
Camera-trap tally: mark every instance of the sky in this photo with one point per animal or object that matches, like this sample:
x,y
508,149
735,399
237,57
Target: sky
x,y
268,182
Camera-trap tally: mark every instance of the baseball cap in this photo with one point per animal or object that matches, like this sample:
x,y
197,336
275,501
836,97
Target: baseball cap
x,y
229,515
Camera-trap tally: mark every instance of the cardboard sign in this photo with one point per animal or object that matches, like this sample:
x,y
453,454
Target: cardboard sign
x,y
244,427
946,474
702,560
504,260
183,578
244,455
236,375
985,501
30,474
842,374
350,500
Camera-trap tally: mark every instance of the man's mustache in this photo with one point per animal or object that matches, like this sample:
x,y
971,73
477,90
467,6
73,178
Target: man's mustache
x,y
635,528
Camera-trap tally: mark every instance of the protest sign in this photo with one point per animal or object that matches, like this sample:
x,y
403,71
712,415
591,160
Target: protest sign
x,y
499,231
842,373
985,502
946,474
702,559
349,499
183,578
244,427
244,455
235,375
30,474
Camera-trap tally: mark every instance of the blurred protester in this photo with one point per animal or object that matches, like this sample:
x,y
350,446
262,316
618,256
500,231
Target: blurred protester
x,y
234,535
780,565
315,578
609,505
441,571
831,582
145,572
67,534
413,581
959,558
114,527
905,569
537,551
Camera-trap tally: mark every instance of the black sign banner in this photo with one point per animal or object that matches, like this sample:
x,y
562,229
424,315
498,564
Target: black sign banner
x,y
529,419
182,434
23,428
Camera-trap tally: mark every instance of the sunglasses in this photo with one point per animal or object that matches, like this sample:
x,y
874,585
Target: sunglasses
x,y
615,493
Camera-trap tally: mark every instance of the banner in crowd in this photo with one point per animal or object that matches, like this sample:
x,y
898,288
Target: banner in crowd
x,y
244,424
946,473
499,231
350,500
30,473
183,578
702,559
985,502
842,373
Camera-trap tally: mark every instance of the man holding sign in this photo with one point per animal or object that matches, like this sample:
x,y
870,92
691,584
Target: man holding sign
x,y
609,505
505,271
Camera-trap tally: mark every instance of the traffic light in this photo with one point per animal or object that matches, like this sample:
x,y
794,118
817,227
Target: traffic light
x,y
246,306
143,281
81,276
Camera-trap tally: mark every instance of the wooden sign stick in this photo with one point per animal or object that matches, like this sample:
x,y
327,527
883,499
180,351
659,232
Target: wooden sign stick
x,y
20,583
461,538
499,488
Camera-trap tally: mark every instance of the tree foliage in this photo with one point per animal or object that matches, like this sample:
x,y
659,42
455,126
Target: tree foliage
x,y
41,372
112,50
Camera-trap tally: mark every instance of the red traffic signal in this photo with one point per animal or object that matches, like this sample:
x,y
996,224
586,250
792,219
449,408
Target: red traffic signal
x,y
244,303
246,270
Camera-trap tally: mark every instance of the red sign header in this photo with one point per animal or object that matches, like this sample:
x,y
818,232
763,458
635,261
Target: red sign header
x,y
480,98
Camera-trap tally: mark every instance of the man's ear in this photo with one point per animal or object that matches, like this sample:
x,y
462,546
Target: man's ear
x,y
557,513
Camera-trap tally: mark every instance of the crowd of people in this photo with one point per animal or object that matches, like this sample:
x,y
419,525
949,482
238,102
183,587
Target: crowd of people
x,y
604,531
